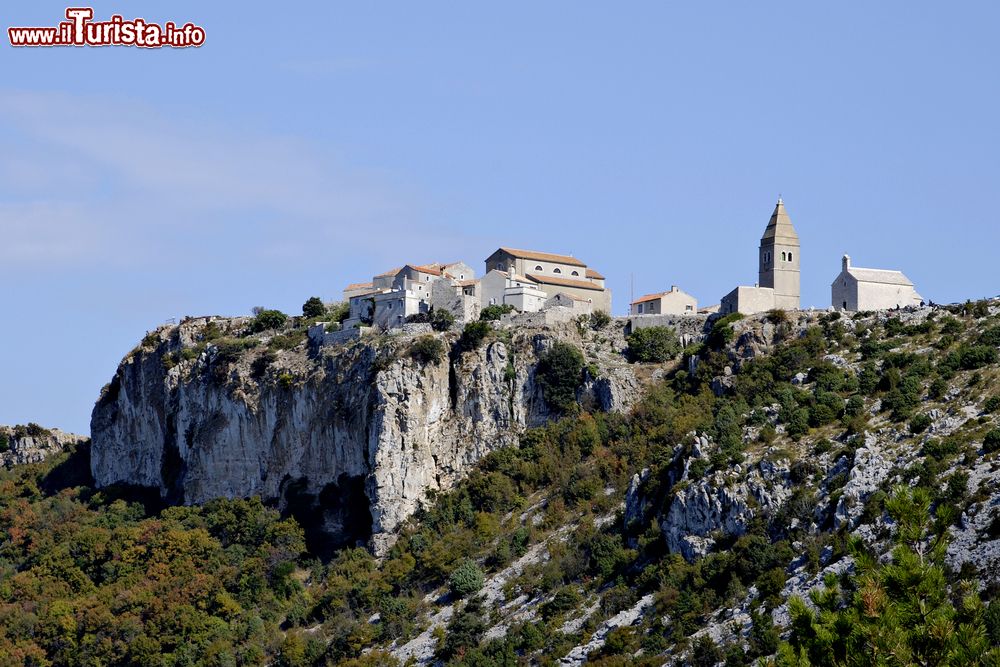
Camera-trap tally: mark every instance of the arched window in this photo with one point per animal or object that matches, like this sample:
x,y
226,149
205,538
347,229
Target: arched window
x,y
575,273
789,257
556,271
538,268
782,257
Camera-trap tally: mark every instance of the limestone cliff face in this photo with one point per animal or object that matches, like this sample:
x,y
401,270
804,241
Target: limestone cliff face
x,y
22,445
357,434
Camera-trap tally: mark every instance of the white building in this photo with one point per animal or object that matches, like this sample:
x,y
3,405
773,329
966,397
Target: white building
x,y
502,287
777,271
393,296
858,289
551,273
674,302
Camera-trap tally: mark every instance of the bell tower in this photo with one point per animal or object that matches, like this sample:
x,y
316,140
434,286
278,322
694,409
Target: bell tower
x,y
779,259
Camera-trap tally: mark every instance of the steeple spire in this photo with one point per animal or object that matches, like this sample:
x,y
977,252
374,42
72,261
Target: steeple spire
x,y
780,225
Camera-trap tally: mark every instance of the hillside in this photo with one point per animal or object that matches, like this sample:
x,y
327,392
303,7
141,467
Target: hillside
x,y
352,437
855,457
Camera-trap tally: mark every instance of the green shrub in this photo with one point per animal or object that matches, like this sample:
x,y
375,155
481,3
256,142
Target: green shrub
x,y
267,319
951,327
427,350
653,345
722,331
920,423
599,319
991,442
466,579
937,389
338,312
777,316
494,311
971,358
228,350
288,341
991,404
940,449
313,308
474,334
855,406
441,320
4,443
566,599
559,373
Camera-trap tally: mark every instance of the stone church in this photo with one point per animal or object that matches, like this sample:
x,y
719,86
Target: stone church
x,y
858,289
777,269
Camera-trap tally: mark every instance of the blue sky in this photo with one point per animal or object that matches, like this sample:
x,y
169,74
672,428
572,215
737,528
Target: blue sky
x,y
296,152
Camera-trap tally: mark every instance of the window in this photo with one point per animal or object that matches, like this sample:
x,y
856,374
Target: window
x,y
640,308
556,271
845,305
782,257
538,268
688,307
789,257
575,273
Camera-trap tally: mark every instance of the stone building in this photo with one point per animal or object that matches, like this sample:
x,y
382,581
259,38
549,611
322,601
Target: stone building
x,y
777,269
674,302
393,296
550,273
858,289
577,304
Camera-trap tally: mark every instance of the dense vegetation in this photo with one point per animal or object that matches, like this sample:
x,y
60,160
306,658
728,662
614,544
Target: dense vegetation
x,y
99,577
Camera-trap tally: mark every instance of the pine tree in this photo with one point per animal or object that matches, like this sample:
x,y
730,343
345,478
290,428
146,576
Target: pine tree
x,y
898,613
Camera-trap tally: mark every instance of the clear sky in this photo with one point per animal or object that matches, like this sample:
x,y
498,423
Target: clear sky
x,y
301,149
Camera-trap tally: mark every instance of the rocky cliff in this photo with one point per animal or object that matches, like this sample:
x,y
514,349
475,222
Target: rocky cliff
x,y
21,445
355,436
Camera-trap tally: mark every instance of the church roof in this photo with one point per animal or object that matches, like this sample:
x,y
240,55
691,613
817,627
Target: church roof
x,y
883,276
564,282
542,256
779,227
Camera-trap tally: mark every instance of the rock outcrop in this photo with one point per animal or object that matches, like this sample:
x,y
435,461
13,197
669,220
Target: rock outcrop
x,y
357,434
21,445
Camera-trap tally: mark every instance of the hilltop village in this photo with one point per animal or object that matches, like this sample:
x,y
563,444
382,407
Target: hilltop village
x,y
560,287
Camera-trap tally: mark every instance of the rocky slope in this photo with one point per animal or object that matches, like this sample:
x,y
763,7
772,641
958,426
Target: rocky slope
x,y
21,445
356,435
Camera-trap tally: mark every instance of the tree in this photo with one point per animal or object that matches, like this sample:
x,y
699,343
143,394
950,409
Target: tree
x,y
599,319
427,349
441,320
494,311
466,579
559,372
267,319
313,308
900,613
474,334
653,345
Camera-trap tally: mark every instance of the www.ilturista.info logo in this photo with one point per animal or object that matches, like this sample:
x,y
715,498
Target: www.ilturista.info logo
x,y
81,30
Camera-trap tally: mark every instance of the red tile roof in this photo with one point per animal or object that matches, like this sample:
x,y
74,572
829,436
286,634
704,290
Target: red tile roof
x,y
650,297
594,274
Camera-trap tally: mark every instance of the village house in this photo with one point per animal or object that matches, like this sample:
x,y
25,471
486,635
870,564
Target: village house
x,y
578,304
778,271
548,273
858,289
395,295
674,302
